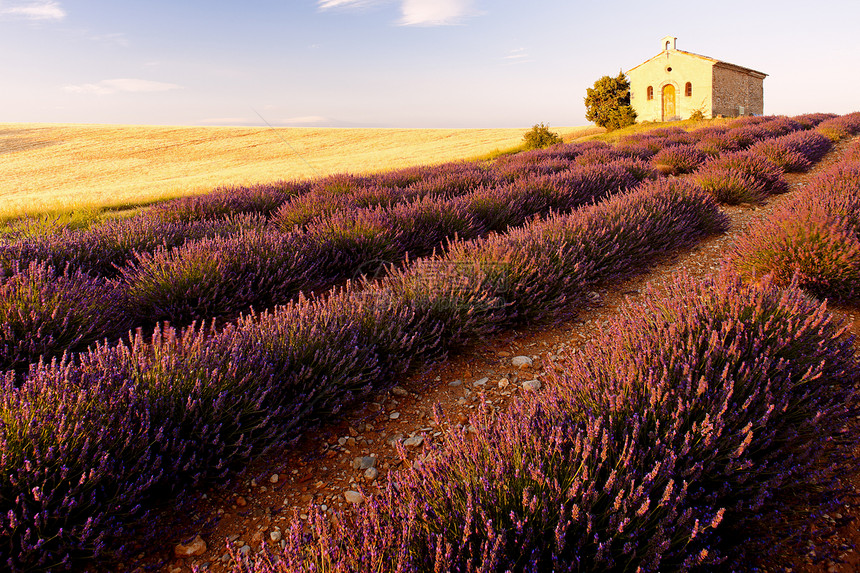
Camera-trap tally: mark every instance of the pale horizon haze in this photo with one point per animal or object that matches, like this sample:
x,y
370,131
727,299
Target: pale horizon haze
x,y
395,63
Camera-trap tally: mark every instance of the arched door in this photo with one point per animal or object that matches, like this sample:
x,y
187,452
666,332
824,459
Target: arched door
x,y
668,102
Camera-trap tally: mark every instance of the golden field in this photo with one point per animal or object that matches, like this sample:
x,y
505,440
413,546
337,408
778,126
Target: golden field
x,y
49,168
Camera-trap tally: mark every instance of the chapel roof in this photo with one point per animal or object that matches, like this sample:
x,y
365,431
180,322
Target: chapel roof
x,y
714,61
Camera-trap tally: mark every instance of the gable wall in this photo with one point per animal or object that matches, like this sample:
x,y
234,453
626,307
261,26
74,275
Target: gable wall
x,y
685,68
734,89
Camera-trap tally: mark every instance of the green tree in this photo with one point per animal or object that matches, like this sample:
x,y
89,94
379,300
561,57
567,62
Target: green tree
x,y
608,103
540,136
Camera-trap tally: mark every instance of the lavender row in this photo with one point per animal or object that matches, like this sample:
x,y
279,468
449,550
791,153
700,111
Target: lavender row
x,y
751,175
92,443
260,267
686,422
247,264
816,235
103,249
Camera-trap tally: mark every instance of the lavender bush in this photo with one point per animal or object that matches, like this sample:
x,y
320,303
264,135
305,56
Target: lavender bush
x,y
102,249
794,152
782,155
223,201
816,235
679,159
93,447
740,177
810,120
840,127
44,313
223,276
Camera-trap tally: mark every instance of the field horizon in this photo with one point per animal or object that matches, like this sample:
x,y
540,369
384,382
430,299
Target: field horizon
x,y
55,168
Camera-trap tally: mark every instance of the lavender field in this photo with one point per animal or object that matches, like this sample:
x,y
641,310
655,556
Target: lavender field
x,y
149,357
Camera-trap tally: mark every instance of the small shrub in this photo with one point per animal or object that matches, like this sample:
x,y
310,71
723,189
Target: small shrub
x,y
539,136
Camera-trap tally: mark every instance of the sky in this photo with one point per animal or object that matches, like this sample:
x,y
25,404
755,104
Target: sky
x,y
396,63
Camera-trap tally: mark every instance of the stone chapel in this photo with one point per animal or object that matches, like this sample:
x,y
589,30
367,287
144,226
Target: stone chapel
x,y
673,84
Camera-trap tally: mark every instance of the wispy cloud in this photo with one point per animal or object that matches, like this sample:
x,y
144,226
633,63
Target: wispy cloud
x,y
415,12
32,10
436,12
517,56
329,4
128,85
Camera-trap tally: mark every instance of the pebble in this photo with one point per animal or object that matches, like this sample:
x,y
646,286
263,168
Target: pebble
x,y
481,382
393,415
413,442
455,383
504,353
531,385
196,547
275,535
399,391
371,474
241,501
503,383
363,462
521,361
353,497
274,478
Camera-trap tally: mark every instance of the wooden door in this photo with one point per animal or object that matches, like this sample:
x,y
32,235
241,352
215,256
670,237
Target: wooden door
x,y
668,102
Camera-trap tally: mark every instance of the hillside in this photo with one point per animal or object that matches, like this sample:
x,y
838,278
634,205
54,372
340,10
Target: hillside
x,y
617,369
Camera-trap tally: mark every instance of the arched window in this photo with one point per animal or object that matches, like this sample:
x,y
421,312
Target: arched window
x,y
688,89
650,93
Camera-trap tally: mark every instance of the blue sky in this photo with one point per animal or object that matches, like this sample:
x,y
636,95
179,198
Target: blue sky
x,y
395,63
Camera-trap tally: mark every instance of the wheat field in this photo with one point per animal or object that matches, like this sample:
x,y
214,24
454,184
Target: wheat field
x,y
51,168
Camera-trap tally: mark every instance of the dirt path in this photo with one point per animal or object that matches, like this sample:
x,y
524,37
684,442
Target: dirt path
x,y
252,510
